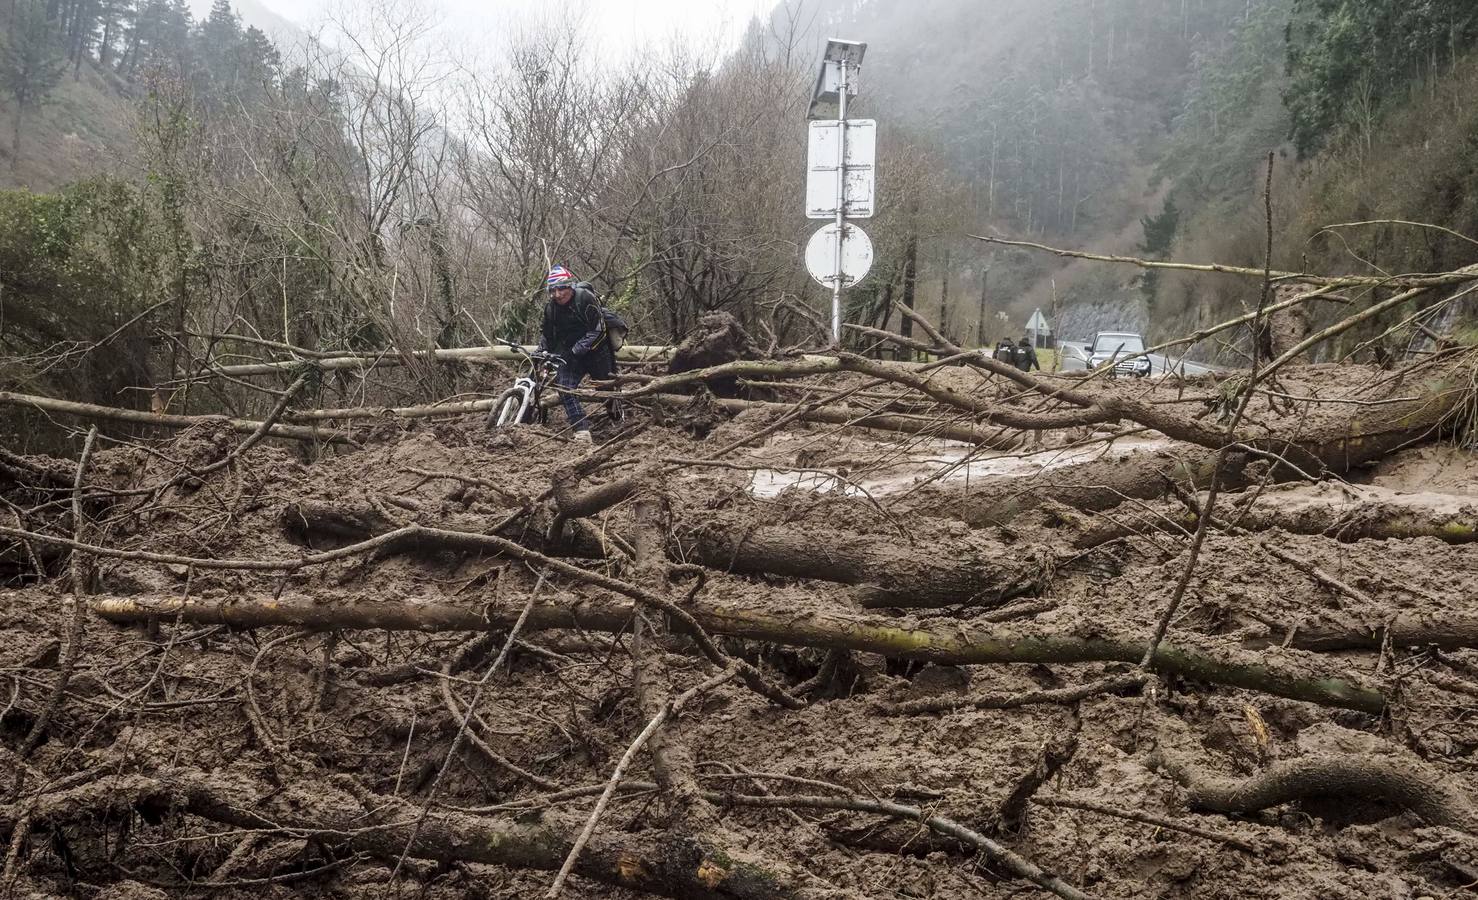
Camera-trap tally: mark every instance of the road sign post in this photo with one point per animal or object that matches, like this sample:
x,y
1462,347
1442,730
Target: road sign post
x,y
836,285
849,248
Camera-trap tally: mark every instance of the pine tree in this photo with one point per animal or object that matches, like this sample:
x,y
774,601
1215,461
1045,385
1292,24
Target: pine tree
x,y
112,16
159,35
219,47
1159,236
77,27
260,62
31,64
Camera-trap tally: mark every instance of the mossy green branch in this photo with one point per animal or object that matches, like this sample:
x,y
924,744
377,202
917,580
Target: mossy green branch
x,y
960,643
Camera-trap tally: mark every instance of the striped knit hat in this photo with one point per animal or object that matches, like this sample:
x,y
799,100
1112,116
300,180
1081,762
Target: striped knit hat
x,y
559,276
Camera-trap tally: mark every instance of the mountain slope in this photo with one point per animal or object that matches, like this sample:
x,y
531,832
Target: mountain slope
x,y
1053,119
1092,123
72,73
84,128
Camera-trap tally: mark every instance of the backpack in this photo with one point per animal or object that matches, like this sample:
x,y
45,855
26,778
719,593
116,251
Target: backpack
x,y
1005,352
1021,357
616,327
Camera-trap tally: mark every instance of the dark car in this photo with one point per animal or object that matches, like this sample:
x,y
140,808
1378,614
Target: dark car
x,y
1115,348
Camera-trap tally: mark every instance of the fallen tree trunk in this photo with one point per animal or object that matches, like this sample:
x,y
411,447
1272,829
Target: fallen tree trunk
x,y
886,572
1350,513
676,865
40,472
1346,513
979,572
956,644
319,524
391,358
1320,446
306,519
164,420
850,416
1090,487
1452,631
457,408
323,812
1380,423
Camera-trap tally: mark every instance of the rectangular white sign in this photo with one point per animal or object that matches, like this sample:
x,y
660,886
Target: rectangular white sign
x,y
822,169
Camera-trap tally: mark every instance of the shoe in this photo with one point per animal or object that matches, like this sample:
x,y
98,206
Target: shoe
x,y
583,437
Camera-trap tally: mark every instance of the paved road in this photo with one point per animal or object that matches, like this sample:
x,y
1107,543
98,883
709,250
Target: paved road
x,y
1159,365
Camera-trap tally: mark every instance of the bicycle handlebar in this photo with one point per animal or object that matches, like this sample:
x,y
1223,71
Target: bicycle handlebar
x,y
537,355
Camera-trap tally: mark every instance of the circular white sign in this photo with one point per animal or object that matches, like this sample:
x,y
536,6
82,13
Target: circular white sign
x,y
821,255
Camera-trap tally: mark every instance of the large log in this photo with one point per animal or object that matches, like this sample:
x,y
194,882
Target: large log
x,y
1449,631
1409,410
164,420
958,643
854,417
887,572
389,827
1407,407
390,358
1355,765
1346,513
337,812
1090,487
1357,512
1415,410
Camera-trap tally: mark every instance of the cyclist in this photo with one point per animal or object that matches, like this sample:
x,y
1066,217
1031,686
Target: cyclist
x,y
575,329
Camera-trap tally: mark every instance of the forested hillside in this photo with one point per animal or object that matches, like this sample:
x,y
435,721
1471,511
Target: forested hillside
x,y
1380,125
1143,127
73,72
1057,121
388,193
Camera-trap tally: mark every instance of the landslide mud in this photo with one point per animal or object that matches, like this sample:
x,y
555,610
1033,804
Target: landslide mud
x,y
367,706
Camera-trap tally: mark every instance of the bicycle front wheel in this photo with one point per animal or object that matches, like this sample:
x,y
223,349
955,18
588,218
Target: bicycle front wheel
x,y
505,410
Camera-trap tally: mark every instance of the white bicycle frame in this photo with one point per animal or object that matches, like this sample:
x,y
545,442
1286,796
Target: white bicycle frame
x,y
527,388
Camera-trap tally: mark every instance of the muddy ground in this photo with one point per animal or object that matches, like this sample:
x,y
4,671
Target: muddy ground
x,y
276,708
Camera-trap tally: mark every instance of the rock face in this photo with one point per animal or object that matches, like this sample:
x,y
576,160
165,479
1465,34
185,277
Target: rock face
x,y
718,339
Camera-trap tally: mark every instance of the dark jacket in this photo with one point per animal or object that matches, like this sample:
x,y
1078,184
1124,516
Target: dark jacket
x,y
575,329
1026,357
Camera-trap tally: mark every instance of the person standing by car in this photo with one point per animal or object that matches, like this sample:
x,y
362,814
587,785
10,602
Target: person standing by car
x,y
1024,356
575,329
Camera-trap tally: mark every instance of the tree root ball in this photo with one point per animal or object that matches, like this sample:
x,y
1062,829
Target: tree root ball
x,y
718,339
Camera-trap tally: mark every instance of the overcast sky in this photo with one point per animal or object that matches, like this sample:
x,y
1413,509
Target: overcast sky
x,y
620,28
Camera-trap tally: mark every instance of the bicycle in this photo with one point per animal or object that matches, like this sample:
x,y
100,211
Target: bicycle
x,y
519,405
